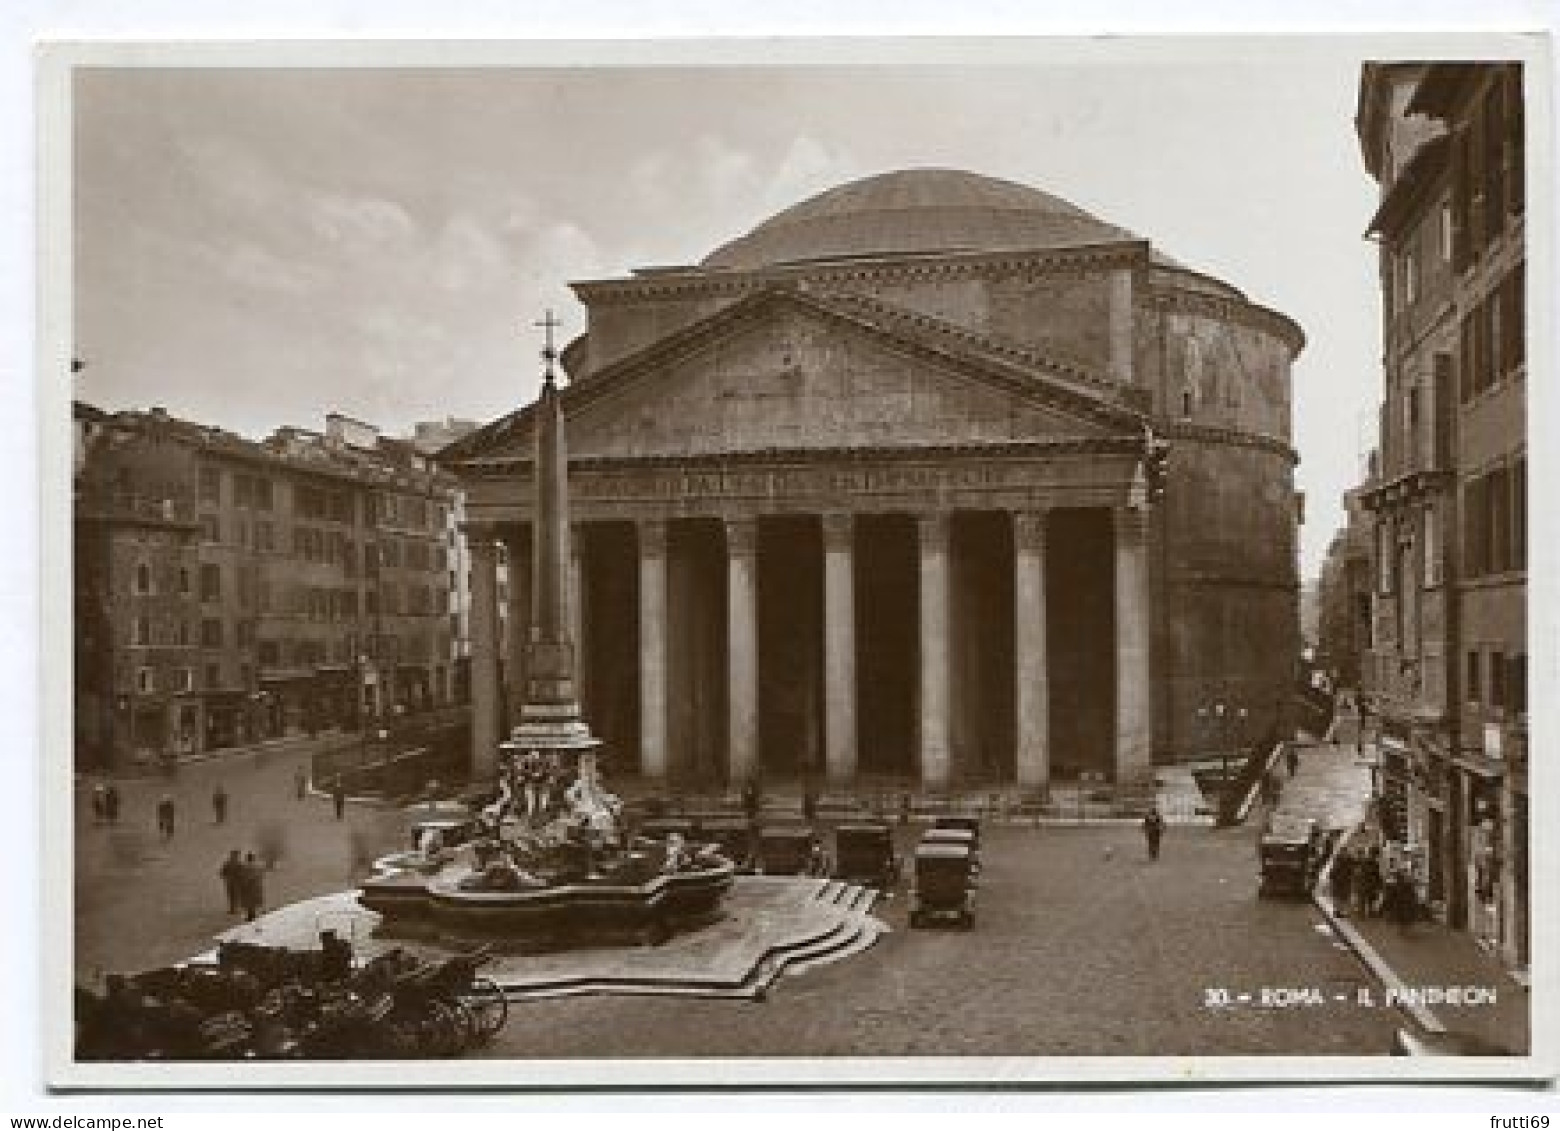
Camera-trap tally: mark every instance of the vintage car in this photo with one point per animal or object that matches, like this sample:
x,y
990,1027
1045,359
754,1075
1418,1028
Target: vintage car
x,y
942,885
864,853
1289,855
789,850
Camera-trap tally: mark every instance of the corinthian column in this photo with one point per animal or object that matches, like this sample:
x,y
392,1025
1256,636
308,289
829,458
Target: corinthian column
x,y
1032,689
652,649
839,650
1133,759
484,655
935,671
742,648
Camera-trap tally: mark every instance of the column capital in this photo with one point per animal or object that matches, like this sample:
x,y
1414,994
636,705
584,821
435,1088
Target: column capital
x,y
652,536
837,530
1029,530
741,537
934,530
1129,523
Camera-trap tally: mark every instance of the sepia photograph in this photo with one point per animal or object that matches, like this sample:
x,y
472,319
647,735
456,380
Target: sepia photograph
x,y
791,561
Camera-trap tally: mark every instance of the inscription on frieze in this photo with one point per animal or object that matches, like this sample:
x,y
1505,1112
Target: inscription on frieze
x,y
793,482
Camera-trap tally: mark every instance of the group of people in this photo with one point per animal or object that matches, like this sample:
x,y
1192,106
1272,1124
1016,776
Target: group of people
x,y
1362,882
243,879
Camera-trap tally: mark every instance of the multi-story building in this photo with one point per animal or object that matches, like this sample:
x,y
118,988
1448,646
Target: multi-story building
x,y
1447,668
1344,595
229,590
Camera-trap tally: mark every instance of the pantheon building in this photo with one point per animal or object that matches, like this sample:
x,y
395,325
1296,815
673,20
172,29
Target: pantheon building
x,y
863,497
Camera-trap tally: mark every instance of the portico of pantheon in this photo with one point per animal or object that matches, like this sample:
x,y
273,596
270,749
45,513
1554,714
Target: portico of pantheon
x,y
863,497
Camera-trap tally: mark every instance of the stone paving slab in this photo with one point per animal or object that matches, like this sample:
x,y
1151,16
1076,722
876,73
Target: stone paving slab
x,y
767,922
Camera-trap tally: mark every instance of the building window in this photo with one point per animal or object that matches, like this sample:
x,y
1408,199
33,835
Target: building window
x,y
143,579
143,630
1474,690
211,485
1519,513
1516,684
211,633
1384,557
184,581
210,528
210,582
1444,242
269,654
185,680
184,632
145,681
1497,679
213,676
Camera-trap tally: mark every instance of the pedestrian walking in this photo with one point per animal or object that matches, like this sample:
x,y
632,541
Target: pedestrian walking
x,y
165,816
1342,882
1153,830
232,875
1292,759
1367,881
111,803
219,804
338,796
252,887
99,803
300,783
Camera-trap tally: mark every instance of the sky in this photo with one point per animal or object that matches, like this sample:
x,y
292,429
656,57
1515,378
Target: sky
x,y
261,246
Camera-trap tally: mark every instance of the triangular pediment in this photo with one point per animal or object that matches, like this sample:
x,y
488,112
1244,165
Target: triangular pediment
x,y
791,371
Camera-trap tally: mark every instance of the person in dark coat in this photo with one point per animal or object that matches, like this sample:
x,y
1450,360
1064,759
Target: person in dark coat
x,y
335,957
1292,760
165,816
1367,881
219,803
1342,882
338,797
1153,831
99,803
252,887
300,783
111,803
232,873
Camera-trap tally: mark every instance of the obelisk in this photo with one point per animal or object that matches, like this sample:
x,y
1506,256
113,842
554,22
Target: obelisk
x,y
550,718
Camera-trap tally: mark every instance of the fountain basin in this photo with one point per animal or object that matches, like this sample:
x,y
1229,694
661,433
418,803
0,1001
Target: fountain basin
x,y
590,912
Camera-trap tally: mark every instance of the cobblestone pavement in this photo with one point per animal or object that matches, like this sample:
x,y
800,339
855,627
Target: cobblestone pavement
x,y
142,901
1081,947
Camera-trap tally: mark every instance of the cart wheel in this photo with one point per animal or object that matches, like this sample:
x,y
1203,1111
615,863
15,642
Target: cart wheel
x,y
488,1006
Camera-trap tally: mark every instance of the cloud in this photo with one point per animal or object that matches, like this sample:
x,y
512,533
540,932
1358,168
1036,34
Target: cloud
x,y
466,256
358,222
251,265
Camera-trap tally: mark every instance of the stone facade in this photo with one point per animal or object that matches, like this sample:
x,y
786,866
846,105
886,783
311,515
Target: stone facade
x,y
887,516
228,591
1447,666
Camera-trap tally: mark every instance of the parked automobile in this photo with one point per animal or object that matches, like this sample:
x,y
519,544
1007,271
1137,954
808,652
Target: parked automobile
x,y
864,853
1289,855
789,850
943,888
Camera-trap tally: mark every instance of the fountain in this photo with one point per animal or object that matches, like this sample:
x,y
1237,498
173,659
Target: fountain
x,y
550,862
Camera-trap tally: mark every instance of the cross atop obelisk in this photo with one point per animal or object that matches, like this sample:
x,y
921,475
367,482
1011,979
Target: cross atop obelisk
x,y
549,355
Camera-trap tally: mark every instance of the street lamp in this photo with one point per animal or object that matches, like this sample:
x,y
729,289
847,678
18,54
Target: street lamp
x,y
1219,716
